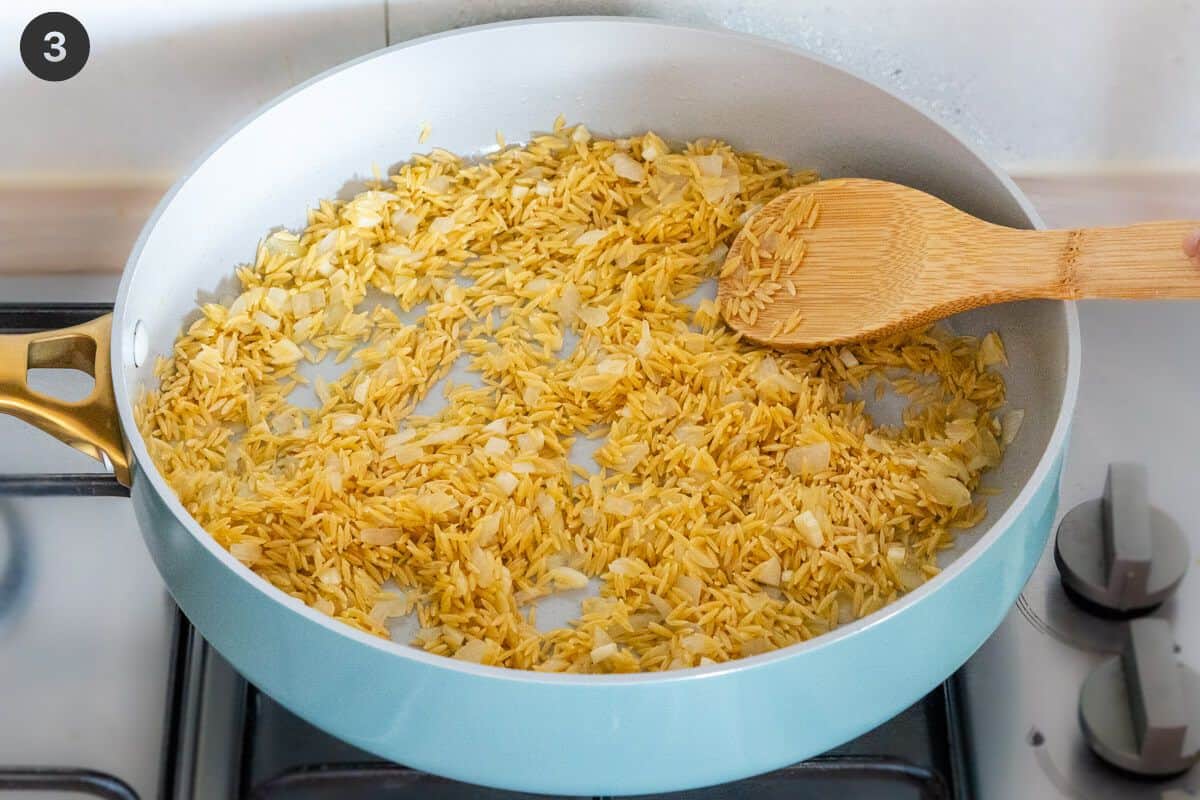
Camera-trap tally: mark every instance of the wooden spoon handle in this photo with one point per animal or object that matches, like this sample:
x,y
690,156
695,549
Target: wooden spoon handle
x,y
1135,262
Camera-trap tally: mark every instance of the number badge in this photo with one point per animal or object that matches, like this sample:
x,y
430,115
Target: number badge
x,y
55,46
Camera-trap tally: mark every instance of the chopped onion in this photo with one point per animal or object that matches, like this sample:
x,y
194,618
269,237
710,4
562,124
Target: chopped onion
x,y
627,566
506,482
474,650
593,315
768,572
690,586
380,536
496,446
627,168
991,351
810,528
591,237
442,225
947,491
246,552
620,506
604,652
567,578
405,222
446,435
438,184
344,422
1010,425
531,442
486,528
807,459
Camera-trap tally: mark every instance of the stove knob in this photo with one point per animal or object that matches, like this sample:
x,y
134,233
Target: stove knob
x,y
1139,710
1119,556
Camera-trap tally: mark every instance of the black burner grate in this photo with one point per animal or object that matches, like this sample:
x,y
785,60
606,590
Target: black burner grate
x,y
270,754
86,782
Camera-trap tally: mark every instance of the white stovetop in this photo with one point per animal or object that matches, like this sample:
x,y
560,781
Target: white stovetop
x,y
1138,401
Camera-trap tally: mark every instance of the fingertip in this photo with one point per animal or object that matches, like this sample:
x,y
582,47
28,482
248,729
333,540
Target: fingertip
x,y
1191,244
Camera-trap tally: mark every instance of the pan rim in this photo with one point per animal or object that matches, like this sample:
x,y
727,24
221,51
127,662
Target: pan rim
x,y
146,470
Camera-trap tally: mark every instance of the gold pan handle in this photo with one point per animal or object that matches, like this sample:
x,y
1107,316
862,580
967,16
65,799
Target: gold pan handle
x,y
90,425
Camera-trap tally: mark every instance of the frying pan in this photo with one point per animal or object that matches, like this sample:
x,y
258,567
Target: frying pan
x,y
572,734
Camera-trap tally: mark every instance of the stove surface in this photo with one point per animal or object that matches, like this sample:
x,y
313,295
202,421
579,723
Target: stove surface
x,y
1137,402
85,620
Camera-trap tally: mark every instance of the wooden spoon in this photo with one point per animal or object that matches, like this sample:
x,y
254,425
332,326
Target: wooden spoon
x,y
880,258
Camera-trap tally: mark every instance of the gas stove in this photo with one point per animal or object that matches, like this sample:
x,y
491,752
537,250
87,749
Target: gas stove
x,y
107,691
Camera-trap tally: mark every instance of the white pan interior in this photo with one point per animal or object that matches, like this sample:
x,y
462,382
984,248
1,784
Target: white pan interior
x,y
619,77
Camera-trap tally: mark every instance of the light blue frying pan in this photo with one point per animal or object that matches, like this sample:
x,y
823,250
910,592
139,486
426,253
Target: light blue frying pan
x,y
561,733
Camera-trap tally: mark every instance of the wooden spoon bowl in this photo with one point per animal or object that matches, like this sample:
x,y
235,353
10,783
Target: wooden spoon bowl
x,y
881,258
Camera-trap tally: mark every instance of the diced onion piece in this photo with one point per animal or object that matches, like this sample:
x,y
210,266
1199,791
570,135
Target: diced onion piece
x,y
442,225
438,184
531,442
327,243
446,435
620,506
593,315
1010,425
699,643
847,358
810,528
380,536
486,528
626,167
960,430
588,238
627,566
946,490
767,572
246,552
331,576
404,222
567,578
506,482
435,502
283,351
690,435
660,605
405,454
709,166
604,652
690,586
807,459
474,650
266,320
632,455
344,422
496,446
896,554
275,300
991,350
324,605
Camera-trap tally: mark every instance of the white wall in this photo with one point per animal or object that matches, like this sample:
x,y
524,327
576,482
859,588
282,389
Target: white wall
x,y
1045,84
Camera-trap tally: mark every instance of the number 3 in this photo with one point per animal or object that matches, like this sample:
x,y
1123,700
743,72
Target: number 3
x,y
56,52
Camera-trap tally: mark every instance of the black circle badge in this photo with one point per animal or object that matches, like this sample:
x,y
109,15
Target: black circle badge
x,y
55,46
